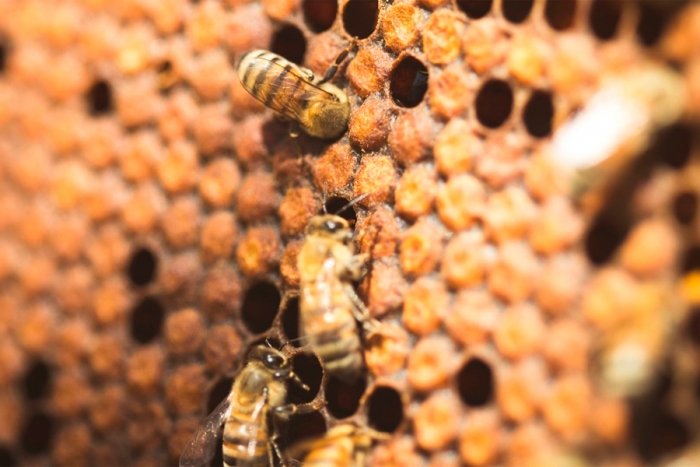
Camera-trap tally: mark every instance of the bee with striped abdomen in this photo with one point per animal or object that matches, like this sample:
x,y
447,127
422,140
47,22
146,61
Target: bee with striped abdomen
x,y
319,107
328,304
258,392
343,446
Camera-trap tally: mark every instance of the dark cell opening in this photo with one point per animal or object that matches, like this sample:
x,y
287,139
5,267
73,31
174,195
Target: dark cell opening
x,y
320,14
408,82
304,426
605,236
604,17
290,43
260,306
385,409
673,146
344,398
142,267
475,383
656,434
693,325
560,13
360,17
218,459
37,434
6,458
4,49
685,205
654,16
337,205
309,369
218,392
691,259
475,8
516,11
538,114
99,98
494,103
147,320
166,78
37,381
290,321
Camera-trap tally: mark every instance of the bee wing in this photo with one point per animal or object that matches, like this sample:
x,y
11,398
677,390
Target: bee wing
x,y
202,445
287,88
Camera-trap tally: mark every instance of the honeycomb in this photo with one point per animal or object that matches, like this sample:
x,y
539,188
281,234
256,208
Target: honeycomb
x,y
153,212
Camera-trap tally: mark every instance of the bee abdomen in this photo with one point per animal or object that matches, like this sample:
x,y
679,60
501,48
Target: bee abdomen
x,y
340,351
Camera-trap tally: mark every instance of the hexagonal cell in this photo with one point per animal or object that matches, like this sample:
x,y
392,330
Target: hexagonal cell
x,y
99,98
494,103
560,14
360,17
604,18
320,14
385,409
147,320
260,306
290,43
475,383
141,268
37,381
685,207
408,82
308,367
475,9
344,398
7,458
37,434
516,11
303,427
538,114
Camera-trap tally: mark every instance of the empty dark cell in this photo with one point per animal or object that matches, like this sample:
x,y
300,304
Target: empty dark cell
x,y
604,17
99,98
360,17
693,326
475,8
339,206
305,426
691,259
147,320
6,458
309,369
3,54
494,103
385,409
654,16
260,306
604,238
37,434
142,267
560,13
320,14
475,383
290,43
290,321
658,436
685,205
538,114
408,82
673,146
516,11
37,381
218,392
344,398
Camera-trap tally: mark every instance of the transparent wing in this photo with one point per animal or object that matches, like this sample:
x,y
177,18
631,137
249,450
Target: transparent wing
x,y
289,85
202,445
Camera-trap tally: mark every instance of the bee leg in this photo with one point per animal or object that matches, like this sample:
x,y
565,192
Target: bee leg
x,y
334,68
276,447
360,311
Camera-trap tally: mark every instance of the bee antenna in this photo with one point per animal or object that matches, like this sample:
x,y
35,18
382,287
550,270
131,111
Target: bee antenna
x,y
352,203
267,341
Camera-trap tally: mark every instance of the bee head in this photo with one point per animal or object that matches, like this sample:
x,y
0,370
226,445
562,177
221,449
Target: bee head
x,y
330,226
271,358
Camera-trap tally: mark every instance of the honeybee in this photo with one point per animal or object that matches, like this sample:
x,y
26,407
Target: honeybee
x,y
343,446
293,92
258,392
616,124
328,304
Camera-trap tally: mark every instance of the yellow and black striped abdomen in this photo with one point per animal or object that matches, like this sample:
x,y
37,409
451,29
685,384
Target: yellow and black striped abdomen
x,y
279,84
246,441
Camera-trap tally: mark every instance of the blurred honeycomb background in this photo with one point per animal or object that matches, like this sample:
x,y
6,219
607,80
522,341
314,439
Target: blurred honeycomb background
x,y
152,212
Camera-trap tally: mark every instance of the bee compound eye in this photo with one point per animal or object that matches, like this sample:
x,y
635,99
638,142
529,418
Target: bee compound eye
x,y
274,360
331,226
